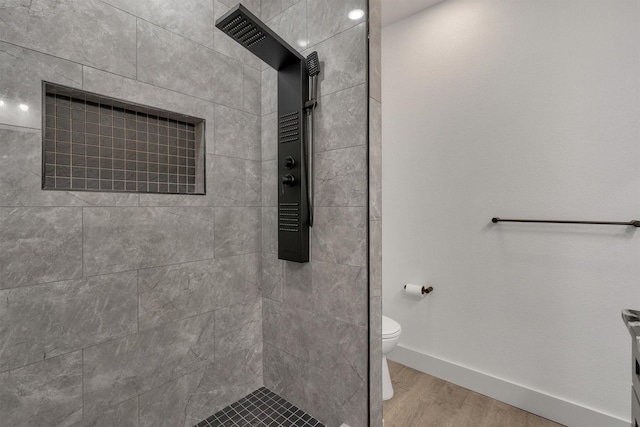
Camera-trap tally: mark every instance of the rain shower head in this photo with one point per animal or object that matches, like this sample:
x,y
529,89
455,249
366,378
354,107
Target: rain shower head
x,y
245,28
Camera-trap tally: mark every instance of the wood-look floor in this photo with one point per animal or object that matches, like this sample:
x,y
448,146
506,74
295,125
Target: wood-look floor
x,y
421,400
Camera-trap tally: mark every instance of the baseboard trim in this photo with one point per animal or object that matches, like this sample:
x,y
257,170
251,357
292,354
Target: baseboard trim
x,y
544,405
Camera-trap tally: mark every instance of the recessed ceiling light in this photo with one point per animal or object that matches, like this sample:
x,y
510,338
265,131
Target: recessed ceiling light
x,y
303,43
24,107
356,14
1,103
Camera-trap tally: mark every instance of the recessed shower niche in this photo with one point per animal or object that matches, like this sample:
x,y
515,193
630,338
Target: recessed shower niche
x,y
96,143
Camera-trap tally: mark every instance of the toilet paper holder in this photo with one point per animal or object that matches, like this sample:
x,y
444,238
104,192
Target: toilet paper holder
x,y
425,290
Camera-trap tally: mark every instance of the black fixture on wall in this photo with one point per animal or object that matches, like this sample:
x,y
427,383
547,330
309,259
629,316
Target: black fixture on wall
x,y
294,107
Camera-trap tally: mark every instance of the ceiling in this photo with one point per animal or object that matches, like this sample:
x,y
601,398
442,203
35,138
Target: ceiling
x,y
395,10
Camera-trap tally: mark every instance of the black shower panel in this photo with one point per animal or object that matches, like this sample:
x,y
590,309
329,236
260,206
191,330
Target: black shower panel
x,y
293,88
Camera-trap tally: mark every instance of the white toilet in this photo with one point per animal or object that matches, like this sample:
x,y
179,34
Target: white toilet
x,y
390,335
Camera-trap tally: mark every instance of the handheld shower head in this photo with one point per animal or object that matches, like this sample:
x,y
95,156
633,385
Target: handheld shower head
x,y
313,64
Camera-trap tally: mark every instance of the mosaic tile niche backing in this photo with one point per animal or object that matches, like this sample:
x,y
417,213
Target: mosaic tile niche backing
x,y
94,143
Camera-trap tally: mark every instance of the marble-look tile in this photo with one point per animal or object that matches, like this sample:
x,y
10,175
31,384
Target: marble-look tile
x,y
340,235
269,137
168,60
253,5
253,269
343,60
329,338
228,81
255,367
21,75
342,120
150,95
44,321
375,160
237,134
119,369
252,90
270,183
48,393
298,285
269,91
228,46
288,328
271,8
341,177
188,18
237,327
375,49
253,183
21,176
179,291
120,239
195,396
355,412
270,230
227,180
331,17
291,25
124,414
340,292
88,32
286,375
273,277
375,258
39,245
237,231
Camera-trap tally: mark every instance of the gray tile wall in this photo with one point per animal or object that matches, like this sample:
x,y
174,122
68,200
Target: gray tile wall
x,y
128,309
315,322
375,214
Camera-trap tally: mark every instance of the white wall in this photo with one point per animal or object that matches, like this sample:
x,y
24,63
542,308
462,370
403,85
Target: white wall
x,y
522,109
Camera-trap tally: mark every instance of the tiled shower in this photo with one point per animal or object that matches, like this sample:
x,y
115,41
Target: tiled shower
x,y
141,309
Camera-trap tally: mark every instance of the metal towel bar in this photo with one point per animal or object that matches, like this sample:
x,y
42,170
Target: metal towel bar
x,y
634,223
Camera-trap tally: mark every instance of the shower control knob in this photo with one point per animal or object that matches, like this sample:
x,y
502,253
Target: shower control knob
x,y
289,162
288,180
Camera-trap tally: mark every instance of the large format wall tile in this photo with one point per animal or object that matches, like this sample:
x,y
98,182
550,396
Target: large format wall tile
x,y
271,8
330,17
167,60
179,291
346,60
340,292
122,368
237,231
341,177
188,18
48,393
195,396
120,239
21,177
237,134
238,327
39,245
272,277
342,119
340,235
291,25
44,321
88,32
21,75
124,414
375,160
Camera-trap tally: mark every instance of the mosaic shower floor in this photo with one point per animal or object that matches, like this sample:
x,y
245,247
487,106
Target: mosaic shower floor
x,y
262,408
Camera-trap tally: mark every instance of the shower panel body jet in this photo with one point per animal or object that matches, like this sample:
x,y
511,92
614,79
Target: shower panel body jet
x,y
293,90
